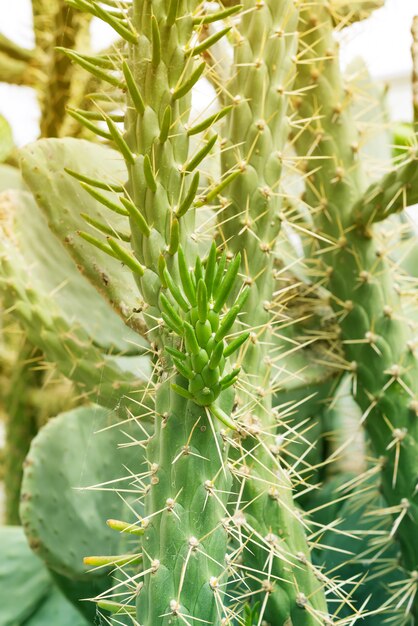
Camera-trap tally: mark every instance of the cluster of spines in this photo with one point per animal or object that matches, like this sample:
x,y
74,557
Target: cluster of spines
x,y
378,342
173,197
116,250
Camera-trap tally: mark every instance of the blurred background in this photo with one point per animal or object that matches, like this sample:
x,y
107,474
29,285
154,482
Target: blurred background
x,y
383,41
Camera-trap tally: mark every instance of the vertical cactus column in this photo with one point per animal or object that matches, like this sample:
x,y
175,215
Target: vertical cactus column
x,y
379,344
185,540
56,24
255,133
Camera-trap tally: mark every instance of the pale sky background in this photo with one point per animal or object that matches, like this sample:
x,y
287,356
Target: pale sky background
x,y
384,42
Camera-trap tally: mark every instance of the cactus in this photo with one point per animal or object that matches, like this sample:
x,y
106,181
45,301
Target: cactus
x,y
56,189
96,351
266,34
28,594
76,527
55,24
240,362
155,123
19,605
21,428
415,68
58,83
379,343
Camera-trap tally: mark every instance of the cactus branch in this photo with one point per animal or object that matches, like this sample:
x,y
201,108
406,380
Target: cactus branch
x,y
378,341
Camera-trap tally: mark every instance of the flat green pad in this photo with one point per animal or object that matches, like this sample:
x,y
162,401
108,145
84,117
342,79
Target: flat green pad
x,y
51,269
28,595
6,139
10,178
56,611
63,199
59,310
24,580
63,523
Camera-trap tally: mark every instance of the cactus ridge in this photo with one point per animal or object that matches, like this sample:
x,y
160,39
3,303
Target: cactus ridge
x,y
191,306
257,255
379,344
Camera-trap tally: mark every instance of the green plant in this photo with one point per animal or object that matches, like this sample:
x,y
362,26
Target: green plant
x,y
58,84
241,365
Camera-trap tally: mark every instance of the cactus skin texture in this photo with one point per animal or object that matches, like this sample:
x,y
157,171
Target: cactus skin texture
x,y
415,68
27,593
380,349
185,571
95,350
264,64
161,198
22,426
179,224
185,536
77,526
185,542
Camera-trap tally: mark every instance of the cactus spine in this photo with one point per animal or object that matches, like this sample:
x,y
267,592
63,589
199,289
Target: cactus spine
x,y
380,349
255,132
180,229
160,201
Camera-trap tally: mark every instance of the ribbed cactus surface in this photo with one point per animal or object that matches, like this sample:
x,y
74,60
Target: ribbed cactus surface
x,y
261,382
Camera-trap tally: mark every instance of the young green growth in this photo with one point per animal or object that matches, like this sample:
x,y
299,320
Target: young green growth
x,y
193,314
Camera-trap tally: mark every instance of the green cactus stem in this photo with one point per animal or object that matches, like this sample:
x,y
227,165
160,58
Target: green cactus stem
x,y
379,344
185,541
160,200
249,220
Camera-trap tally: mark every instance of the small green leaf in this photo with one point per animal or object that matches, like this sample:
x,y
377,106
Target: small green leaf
x,y
175,291
208,42
136,216
225,288
190,196
126,258
186,280
202,301
149,174
235,344
156,42
165,124
181,391
209,18
174,237
227,323
200,155
192,345
188,85
222,416
133,89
